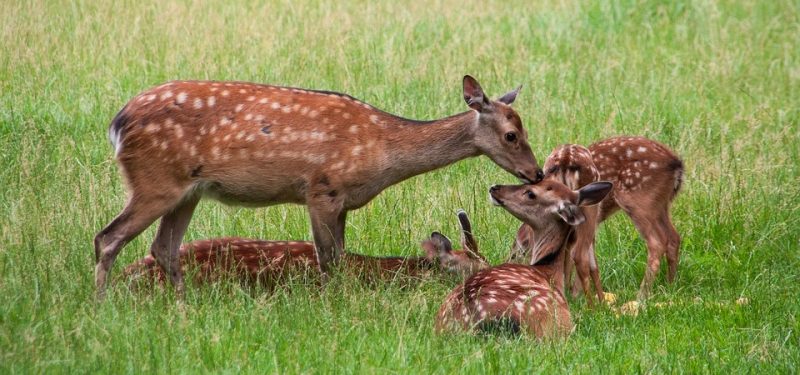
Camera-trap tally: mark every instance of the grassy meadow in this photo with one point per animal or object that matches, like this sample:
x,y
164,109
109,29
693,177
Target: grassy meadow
x,y
718,81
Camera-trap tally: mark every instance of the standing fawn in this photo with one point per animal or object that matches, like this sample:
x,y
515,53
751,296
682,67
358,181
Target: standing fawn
x,y
646,175
269,261
259,145
529,297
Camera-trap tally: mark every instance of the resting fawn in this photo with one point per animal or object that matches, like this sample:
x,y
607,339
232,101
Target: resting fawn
x,y
646,175
259,145
525,297
269,261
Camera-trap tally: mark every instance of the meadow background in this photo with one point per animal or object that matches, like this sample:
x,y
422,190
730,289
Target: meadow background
x,y
718,81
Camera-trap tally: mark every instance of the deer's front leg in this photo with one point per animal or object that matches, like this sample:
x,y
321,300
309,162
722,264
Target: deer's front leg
x,y
327,225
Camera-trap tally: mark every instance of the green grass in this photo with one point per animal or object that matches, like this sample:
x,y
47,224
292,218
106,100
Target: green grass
x,y
718,81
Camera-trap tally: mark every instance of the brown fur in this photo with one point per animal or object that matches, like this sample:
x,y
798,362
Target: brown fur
x,y
646,175
259,145
530,297
268,262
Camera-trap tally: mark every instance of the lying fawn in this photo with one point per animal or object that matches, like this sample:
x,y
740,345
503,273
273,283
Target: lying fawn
x,y
269,261
259,145
529,297
646,175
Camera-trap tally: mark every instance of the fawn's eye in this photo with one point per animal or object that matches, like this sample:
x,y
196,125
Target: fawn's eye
x,y
511,137
530,195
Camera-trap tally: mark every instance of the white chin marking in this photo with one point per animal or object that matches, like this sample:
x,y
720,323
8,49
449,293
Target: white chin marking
x,y
494,201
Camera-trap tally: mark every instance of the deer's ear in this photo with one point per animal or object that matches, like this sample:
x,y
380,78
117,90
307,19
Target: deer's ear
x,y
594,193
474,96
509,98
442,242
571,214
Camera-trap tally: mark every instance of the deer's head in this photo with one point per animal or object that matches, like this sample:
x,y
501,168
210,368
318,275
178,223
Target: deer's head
x,y
547,202
499,133
439,249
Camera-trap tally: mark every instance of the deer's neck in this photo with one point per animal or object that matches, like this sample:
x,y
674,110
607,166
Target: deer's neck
x,y
414,148
549,252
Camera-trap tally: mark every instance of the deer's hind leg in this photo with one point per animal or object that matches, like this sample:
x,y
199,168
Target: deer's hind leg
x,y
328,216
168,240
140,211
673,245
647,222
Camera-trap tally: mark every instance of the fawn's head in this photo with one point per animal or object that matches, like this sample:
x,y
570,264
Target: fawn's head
x,y
571,165
548,202
439,249
499,133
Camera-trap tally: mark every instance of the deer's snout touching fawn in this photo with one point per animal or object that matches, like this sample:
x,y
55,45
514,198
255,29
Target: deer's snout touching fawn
x,y
525,297
646,175
259,145
268,262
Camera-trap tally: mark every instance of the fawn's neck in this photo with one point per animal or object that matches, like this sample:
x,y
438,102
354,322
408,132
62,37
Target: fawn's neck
x,y
549,251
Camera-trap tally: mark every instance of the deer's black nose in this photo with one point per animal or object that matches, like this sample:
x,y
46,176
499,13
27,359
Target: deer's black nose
x,y
539,175
494,188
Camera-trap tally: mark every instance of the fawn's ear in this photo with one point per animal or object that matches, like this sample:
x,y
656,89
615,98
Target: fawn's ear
x,y
474,96
594,193
468,242
437,246
509,98
571,214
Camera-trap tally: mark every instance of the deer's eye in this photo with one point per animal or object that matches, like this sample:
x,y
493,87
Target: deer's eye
x,y
511,137
530,195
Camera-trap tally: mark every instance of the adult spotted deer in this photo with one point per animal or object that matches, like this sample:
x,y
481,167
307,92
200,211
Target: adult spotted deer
x,y
529,297
259,145
268,262
646,175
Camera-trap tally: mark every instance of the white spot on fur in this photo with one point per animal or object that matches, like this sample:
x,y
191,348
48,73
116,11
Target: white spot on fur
x,y
354,129
152,128
166,95
263,100
239,107
181,98
275,105
211,101
198,103
357,150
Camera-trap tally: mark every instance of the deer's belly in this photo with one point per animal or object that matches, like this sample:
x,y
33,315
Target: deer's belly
x,y
252,194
